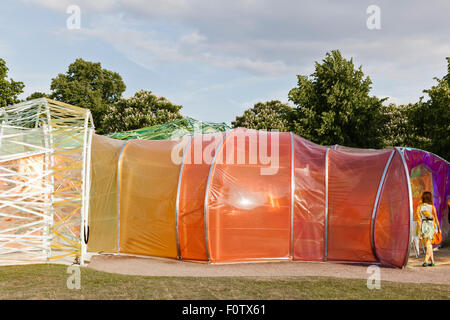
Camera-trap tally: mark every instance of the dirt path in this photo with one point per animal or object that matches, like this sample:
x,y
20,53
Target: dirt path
x,y
167,267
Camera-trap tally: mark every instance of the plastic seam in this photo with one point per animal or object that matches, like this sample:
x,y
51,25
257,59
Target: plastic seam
x,y
326,206
205,203
376,204
177,204
119,165
400,151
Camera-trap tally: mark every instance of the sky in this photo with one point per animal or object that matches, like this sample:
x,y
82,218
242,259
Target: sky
x,y
218,58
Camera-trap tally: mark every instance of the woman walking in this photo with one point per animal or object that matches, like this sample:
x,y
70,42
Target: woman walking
x,y
428,225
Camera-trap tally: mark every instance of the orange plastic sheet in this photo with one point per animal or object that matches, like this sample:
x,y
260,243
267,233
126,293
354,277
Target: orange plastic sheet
x,y
309,200
148,178
392,221
248,203
191,209
353,183
248,195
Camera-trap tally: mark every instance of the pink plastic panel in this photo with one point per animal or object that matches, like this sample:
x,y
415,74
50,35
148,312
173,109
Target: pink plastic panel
x,y
353,183
392,219
309,200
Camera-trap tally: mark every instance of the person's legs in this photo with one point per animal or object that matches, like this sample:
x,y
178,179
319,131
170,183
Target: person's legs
x,y
429,253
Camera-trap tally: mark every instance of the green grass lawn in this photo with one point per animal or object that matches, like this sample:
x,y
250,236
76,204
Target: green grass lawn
x,y
47,281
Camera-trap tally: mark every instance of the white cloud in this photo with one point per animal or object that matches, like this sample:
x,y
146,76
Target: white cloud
x,y
193,38
148,49
88,5
270,38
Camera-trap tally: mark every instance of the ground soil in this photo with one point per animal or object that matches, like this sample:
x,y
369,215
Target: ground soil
x,y
149,266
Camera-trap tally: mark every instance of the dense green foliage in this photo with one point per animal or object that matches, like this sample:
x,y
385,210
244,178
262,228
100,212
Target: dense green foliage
x,y
37,95
270,115
9,89
431,119
87,85
334,105
144,109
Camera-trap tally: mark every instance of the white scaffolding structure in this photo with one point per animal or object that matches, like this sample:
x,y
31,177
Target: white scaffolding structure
x,y
44,181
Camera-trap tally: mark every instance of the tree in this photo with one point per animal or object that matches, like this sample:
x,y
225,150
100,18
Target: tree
x,y
87,85
334,106
398,129
37,95
144,109
268,115
9,89
431,119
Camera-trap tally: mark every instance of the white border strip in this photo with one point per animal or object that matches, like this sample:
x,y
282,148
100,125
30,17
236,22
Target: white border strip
x,y
177,204
292,195
326,206
119,166
375,205
205,203
400,151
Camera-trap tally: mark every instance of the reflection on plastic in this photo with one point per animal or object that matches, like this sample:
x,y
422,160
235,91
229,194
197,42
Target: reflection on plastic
x,y
251,216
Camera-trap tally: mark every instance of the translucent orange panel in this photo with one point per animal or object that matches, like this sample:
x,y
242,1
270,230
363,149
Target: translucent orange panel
x,y
148,187
352,187
309,200
248,215
192,195
392,219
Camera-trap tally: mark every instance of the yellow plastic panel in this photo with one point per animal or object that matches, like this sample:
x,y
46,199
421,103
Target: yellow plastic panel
x,y
103,210
148,187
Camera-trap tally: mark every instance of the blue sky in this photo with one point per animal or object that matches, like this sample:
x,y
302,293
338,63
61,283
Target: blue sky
x,y
218,58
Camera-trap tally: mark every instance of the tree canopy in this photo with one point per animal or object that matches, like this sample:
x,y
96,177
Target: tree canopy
x,y
37,95
87,85
144,109
430,120
9,89
334,105
270,115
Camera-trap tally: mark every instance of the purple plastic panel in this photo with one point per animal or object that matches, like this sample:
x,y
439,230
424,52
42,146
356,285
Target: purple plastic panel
x,y
440,170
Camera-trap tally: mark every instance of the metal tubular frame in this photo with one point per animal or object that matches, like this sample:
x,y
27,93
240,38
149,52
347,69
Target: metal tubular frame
x,y
405,166
29,188
86,183
56,186
205,202
292,195
325,258
177,204
375,205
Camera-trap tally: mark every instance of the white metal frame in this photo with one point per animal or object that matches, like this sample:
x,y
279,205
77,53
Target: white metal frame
x,y
376,204
292,195
177,204
34,204
325,258
208,182
119,166
405,166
